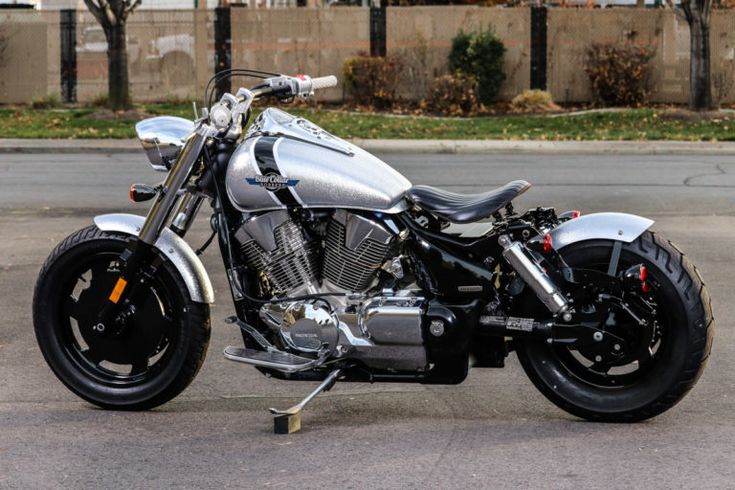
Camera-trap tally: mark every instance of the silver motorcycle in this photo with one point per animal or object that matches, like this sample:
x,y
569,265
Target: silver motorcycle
x,y
341,270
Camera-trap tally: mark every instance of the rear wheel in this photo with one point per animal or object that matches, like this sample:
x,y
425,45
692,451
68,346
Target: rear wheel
x,y
649,368
153,355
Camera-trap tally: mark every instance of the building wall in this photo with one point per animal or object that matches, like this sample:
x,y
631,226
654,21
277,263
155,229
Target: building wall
x,y
23,71
304,40
171,53
422,38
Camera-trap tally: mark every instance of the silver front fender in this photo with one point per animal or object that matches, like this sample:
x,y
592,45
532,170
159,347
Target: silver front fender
x,y
607,226
173,247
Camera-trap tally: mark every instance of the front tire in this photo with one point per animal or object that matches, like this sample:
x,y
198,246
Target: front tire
x,y
678,351
150,361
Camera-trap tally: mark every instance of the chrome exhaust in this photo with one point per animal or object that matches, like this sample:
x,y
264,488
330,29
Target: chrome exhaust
x,y
514,253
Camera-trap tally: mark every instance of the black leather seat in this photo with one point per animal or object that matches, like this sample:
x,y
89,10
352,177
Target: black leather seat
x,y
465,208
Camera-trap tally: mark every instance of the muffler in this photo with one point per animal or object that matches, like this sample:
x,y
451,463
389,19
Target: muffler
x,y
515,254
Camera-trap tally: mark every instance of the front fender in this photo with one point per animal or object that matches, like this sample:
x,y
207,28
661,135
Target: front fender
x,y
173,247
607,226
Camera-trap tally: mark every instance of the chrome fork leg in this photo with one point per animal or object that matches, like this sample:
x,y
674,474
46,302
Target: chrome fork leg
x,y
289,421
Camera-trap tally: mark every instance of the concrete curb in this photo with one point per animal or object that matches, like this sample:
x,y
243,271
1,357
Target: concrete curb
x,y
418,146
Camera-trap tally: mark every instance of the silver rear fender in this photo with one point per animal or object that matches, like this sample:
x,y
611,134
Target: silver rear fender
x,y
621,227
173,247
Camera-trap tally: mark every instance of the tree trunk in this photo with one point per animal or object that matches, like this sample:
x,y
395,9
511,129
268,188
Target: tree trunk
x,y
700,98
117,68
640,3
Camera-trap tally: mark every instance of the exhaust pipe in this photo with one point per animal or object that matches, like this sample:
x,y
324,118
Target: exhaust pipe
x,y
514,253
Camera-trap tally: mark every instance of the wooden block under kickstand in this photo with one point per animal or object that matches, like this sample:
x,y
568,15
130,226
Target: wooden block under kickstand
x,y
287,423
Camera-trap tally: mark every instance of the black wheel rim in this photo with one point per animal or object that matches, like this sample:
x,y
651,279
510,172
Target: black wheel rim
x,y
646,351
142,348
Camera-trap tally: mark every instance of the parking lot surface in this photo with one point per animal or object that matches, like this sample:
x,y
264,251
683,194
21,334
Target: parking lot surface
x,y
492,431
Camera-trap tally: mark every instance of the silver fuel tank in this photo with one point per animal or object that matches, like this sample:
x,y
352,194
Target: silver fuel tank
x,y
288,161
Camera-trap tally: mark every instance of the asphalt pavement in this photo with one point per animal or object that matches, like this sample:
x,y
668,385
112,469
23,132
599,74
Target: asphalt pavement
x,y
492,431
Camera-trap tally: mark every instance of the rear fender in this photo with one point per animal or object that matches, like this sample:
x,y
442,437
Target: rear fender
x,y
173,247
620,227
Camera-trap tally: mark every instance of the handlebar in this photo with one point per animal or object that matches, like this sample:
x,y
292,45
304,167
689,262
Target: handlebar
x,y
226,112
320,83
298,86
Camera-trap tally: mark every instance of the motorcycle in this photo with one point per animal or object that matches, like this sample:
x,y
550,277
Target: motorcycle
x,y
341,270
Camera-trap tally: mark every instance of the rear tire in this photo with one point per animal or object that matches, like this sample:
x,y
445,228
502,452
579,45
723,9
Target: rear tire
x,y
164,342
685,341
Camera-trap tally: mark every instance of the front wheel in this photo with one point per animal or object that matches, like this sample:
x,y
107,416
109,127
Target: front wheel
x,y
154,354
649,368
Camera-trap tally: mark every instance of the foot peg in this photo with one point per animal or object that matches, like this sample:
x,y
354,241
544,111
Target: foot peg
x,y
273,359
289,421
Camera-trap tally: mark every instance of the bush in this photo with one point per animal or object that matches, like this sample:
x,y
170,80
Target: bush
x,y
619,74
372,81
480,54
101,100
452,95
534,101
50,101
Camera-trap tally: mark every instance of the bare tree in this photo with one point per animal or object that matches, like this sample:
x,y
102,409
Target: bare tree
x,y
697,14
112,16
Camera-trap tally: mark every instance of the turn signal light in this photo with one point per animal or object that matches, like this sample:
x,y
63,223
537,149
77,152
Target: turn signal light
x,y
643,275
142,192
548,244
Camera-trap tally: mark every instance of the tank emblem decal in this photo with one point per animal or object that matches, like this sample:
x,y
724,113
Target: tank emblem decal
x,y
272,181
270,177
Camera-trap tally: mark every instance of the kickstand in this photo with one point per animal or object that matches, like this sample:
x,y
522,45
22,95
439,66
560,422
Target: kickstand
x,y
289,421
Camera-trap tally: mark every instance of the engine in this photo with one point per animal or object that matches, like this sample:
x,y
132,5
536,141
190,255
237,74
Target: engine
x,y
355,248
343,255
288,258
285,257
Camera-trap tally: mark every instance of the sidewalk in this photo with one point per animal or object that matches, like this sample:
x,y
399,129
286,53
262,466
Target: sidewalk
x,y
417,146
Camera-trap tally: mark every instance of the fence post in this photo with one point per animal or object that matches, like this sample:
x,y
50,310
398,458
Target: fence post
x,y
538,47
68,48
222,48
378,29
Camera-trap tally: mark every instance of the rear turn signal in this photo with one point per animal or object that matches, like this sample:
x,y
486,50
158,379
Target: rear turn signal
x,y
643,275
142,192
548,244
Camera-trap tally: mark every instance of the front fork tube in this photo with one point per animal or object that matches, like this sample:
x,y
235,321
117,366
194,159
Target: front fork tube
x,y
138,260
184,215
168,194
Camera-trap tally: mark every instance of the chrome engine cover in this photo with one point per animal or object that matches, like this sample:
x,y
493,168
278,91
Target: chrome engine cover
x,y
383,332
348,320
307,326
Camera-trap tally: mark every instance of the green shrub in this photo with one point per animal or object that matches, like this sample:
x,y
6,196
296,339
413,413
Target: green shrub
x,y
50,101
101,100
619,74
452,95
372,81
534,101
480,54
